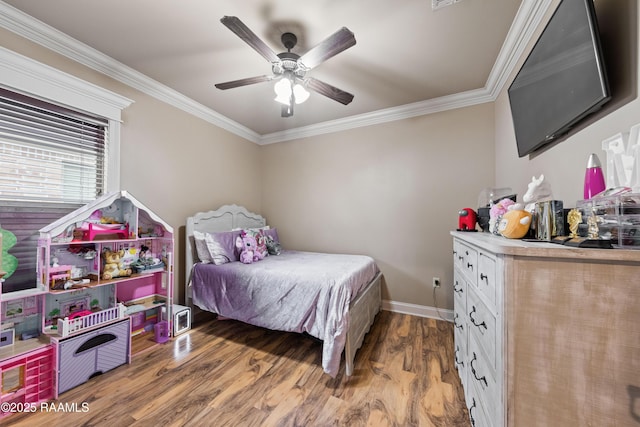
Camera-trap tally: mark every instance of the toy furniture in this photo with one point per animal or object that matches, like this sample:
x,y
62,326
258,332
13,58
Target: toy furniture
x,y
27,378
115,215
59,275
92,231
181,319
75,323
88,354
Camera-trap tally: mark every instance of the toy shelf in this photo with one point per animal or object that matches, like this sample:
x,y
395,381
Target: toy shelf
x,y
22,346
105,242
97,283
22,294
27,378
148,303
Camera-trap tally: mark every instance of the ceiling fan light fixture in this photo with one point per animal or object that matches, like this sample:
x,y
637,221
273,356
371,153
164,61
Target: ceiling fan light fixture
x,y
300,94
288,92
282,88
289,68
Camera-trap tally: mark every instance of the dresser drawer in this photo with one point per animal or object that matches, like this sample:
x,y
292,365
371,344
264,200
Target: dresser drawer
x,y
479,376
469,263
487,277
460,355
459,323
460,289
483,325
477,410
457,254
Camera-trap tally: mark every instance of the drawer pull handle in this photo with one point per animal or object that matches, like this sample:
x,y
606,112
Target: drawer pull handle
x,y
483,324
482,379
471,408
460,257
457,288
470,266
458,362
455,323
484,277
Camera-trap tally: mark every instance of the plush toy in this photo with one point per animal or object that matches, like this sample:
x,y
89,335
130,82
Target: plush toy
x,y
495,213
113,266
515,223
273,247
538,190
246,244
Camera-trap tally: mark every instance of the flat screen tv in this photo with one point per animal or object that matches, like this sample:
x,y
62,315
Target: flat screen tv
x,y
563,79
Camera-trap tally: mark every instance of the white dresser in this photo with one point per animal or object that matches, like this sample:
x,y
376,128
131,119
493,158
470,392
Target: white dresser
x,y
478,319
546,335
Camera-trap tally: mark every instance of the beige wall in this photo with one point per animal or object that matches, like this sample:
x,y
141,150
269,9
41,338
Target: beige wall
x,y
391,191
173,162
563,165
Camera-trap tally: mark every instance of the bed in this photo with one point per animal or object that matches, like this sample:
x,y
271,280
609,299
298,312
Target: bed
x,y
333,297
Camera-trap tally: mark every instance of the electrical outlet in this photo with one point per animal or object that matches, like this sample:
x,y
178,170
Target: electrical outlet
x,y
436,282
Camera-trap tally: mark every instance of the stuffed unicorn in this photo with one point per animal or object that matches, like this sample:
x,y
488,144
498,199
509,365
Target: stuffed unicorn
x,y
247,245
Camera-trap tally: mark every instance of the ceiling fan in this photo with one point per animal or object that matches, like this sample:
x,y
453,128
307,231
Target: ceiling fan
x,y
289,68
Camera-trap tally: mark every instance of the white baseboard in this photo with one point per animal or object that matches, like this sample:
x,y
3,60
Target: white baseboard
x,y
418,310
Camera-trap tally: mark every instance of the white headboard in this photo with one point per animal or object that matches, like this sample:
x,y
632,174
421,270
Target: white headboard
x,y
226,218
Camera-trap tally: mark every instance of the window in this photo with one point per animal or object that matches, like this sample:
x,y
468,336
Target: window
x,y
59,149
49,153
52,161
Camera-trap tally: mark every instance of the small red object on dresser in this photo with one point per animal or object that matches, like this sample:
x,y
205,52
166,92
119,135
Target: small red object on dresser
x,y
467,219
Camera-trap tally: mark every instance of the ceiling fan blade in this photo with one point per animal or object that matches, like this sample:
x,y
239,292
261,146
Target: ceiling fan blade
x,y
341,40
244,82
329,91
249,37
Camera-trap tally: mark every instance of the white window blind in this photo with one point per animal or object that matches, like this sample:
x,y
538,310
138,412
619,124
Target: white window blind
x,y
52,161
49,153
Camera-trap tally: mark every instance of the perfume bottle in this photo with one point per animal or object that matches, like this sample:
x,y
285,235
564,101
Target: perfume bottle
x,y
593,177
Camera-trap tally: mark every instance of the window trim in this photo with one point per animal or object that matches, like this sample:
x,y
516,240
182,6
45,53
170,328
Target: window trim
x,y
33,78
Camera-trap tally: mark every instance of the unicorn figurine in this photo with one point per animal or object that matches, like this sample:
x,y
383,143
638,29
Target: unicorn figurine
x,y
538,190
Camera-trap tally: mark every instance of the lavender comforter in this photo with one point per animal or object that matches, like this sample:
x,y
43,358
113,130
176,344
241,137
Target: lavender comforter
x,y
294,291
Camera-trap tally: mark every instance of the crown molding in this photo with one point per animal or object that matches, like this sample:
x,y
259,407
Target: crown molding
x,y
528,18
526,21
38,32
450,102
23,74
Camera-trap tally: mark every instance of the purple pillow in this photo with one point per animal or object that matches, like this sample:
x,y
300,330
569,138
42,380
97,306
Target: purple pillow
x,y
222,246
273,233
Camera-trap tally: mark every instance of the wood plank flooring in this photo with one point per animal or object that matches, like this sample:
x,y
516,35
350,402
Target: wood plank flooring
x,y
226,373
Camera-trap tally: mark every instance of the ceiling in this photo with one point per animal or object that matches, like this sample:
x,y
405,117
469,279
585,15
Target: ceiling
x,y
408,57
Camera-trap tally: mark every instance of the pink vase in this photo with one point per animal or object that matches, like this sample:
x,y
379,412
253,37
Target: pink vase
x,y
593,177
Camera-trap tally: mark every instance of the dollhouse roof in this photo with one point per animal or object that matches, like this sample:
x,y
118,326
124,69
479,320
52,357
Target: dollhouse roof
x,y
83,212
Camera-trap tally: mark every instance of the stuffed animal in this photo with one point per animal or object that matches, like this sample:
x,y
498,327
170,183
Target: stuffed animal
x,y
113,266
495,213
538,190
260,251
515,223
247,245
273,246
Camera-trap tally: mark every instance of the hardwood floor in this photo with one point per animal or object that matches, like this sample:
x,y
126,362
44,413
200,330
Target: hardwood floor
x,y
226,373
